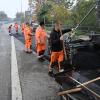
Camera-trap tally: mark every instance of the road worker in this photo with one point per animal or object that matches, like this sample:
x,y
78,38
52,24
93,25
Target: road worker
x,y
40,37
16,28
57,53
28,38
9,29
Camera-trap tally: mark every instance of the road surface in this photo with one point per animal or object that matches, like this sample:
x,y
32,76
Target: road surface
x,y
22,76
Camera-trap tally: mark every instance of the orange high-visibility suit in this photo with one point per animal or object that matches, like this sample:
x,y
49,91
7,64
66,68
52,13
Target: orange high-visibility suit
x,y
40,40
16,27
28,37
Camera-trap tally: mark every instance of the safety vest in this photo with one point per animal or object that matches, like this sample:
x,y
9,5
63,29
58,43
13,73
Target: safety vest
x,y
27,33
40,35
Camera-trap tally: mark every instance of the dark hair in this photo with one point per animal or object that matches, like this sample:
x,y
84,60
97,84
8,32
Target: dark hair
x,y
41,23
27,24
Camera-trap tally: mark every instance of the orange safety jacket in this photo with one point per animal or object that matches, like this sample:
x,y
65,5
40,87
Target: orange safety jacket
x,y
40,36
27,33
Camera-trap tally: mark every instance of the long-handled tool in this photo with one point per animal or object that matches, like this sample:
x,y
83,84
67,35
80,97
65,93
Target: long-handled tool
x,y
70,91
86,16
83,86
65,55
89,82
78,87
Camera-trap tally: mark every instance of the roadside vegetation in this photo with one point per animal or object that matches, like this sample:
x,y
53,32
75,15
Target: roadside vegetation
x,y
70,13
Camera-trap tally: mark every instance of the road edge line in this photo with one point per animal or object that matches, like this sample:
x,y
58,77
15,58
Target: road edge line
x,y
15,82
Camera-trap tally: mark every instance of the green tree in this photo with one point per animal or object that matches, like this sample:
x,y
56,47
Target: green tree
x,y
58,12
42,12
81,9
51,10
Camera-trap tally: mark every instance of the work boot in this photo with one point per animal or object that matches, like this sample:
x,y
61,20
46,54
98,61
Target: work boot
x,y
50,73
29,51
41,59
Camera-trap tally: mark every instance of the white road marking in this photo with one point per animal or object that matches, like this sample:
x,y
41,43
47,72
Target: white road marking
x,y
15,82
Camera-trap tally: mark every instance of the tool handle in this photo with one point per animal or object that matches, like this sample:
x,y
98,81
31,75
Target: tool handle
x,y
91,81
70,91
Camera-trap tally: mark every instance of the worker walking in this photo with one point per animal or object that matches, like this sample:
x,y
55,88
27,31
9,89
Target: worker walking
x,y
40,37
28,38
57,53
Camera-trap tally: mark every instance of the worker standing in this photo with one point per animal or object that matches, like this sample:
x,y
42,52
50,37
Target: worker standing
x,y
57,53
40,37
16,28
28,38
10,29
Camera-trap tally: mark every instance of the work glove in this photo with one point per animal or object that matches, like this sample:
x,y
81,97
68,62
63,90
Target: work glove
x,y
73,32
73,29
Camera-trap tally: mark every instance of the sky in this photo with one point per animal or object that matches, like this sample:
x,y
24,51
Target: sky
x,y
11,7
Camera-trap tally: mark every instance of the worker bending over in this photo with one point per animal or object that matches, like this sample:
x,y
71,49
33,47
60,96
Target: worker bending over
x,y
28,38
56,42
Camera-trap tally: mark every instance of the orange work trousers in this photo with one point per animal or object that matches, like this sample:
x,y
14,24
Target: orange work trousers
x,y
57,56
28,43
40,47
